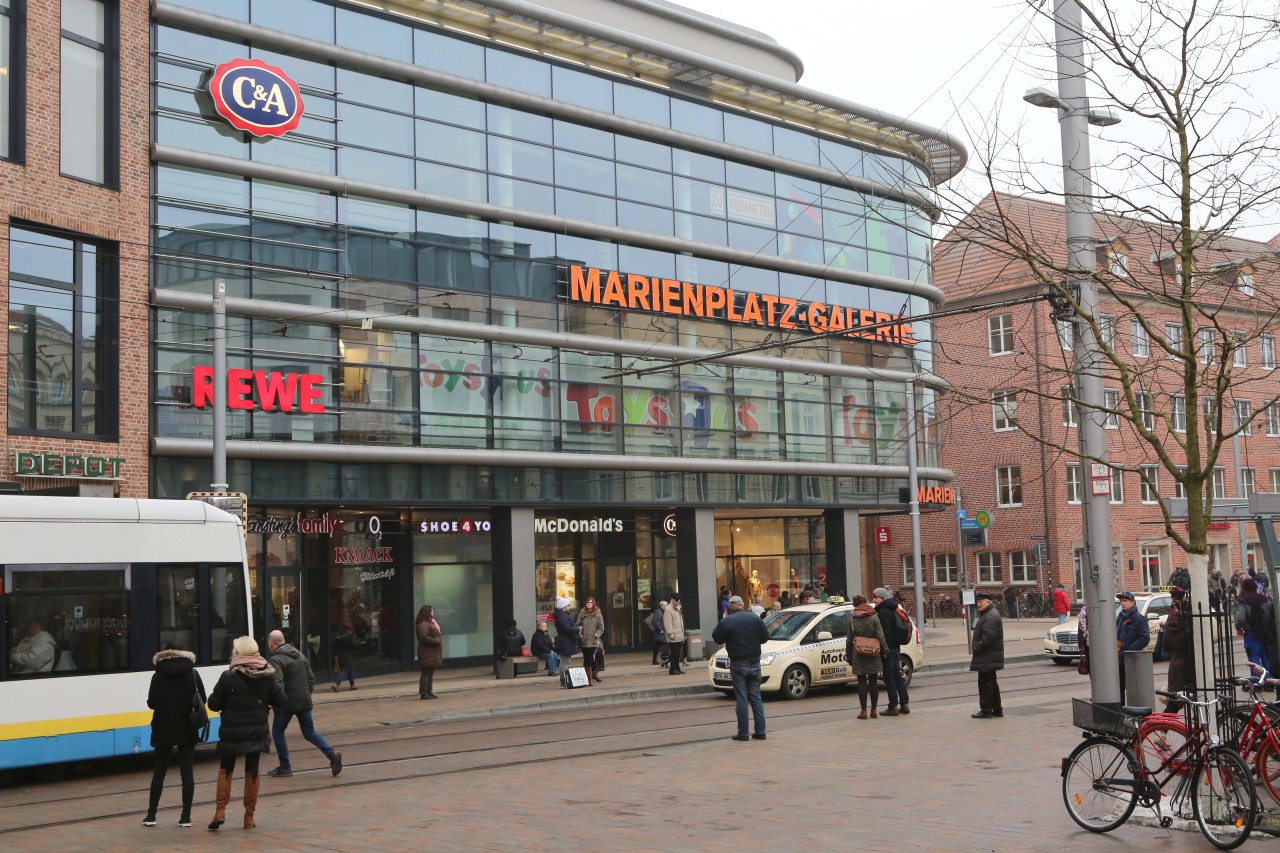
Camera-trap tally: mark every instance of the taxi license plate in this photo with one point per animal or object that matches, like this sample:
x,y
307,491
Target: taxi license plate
x,y
1068,650
723,676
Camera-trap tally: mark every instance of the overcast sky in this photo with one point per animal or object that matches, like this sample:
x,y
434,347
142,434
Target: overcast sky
x,y
948,64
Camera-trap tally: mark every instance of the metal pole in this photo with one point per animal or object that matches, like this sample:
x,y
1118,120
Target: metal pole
x,y
913,486
964,577
219,483
1241,493
1098,578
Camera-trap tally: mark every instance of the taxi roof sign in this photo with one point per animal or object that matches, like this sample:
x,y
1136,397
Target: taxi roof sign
x,y
236,503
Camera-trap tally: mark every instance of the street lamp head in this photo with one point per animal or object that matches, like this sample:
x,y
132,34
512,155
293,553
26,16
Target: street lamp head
x,y
1042,97
1103,118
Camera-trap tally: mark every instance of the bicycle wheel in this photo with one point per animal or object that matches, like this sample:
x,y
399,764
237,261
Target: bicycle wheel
x,y
948,609
1100,784
1162,740
1223,799
1267,761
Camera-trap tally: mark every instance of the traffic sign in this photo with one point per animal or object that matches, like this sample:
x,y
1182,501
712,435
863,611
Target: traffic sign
x,y
236,503
961,514
1039,537
970,524
983,518
976,536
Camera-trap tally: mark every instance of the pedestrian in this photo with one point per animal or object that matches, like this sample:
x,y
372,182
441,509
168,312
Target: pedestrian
x,y
742,634
511,643
1132,632
566,632
784,600
757,608
542,649
722,603
673,627
866,665
1217,588
175,688
430,650
659,635
1061,604
295,676
1180,577
242,695
344,654
1011,601
1255,622
988,656
887,609
1178,640
590,622
1082,635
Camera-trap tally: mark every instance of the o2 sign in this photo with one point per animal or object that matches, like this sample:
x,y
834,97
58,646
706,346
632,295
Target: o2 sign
x,y
256,97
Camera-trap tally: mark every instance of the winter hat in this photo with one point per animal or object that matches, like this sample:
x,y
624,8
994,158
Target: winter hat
x,y
562,603
881,593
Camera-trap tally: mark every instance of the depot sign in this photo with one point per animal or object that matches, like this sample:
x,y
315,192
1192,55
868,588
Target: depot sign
x,y
257,389
593,286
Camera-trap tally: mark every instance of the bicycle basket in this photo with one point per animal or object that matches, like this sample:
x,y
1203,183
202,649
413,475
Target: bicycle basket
x,y
1099,718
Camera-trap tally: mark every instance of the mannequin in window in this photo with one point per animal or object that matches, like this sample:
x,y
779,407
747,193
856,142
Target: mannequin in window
x,y
795,584
753,583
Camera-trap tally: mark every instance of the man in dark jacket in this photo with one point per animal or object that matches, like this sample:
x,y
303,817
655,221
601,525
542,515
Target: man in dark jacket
x,y
1132,632
894,683
295,675
988,657
742,633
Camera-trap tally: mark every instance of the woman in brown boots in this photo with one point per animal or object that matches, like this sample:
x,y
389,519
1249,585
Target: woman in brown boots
x,y
590,622
863,649
243,695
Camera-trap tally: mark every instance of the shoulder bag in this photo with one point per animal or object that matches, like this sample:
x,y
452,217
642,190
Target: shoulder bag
x,y
866,647
199,718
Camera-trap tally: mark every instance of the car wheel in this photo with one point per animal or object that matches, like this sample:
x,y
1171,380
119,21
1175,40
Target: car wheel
x,y
795,682
904,664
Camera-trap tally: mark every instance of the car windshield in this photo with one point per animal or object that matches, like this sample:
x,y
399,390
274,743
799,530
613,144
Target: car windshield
x,y
787,624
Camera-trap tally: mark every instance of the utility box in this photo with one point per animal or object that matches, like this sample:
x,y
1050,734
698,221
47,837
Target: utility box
x,y
694,646
1139,679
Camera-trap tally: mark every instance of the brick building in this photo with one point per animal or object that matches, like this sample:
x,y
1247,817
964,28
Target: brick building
x,y
1008,426
74,212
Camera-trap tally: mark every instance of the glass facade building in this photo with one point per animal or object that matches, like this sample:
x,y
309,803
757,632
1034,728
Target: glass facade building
x,y
526,288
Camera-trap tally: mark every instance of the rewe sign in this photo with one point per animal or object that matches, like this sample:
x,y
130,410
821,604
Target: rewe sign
x,y
257,389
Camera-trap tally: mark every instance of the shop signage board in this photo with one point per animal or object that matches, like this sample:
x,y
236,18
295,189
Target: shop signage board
x,y
257,389
67,465
883,536
256,97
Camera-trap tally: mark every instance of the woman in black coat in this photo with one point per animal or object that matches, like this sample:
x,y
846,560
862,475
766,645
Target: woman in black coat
x,y
242,695
174,686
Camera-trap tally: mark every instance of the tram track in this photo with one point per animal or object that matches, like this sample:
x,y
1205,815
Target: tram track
x,y
470,748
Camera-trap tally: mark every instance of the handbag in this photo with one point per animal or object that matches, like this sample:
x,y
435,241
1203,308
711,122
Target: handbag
x,y
866,647
1083,666
199,718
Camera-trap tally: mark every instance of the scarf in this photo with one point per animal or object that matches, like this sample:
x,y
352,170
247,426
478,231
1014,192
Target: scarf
x,y
249,661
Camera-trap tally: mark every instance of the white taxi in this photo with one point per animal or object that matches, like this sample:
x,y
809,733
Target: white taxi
x,y
806,649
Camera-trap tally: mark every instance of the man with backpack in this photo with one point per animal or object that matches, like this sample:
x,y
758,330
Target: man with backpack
x,y
897,631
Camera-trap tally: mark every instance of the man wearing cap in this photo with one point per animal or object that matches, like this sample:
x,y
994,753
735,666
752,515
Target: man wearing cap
x,y
988,657
1132,632
673,627
742,633
894,684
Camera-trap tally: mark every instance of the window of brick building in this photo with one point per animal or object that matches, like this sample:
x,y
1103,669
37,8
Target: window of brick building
x,y
1021,567
90,90
989,567
1004,410
1000,333
944,568
13,80
1009,485
1150,483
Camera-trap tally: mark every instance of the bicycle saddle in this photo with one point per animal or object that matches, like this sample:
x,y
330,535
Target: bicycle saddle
x,y
1135,711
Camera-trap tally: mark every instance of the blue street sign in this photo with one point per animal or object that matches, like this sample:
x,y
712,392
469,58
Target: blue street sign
x,y
961,514
1039,537
969,524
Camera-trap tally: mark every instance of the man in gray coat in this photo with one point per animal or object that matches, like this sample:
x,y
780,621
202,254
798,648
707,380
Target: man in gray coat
x,y
988,657
293,670
673,627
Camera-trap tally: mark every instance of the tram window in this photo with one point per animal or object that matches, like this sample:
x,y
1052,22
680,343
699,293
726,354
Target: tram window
x,y
67,618
178,607
228,618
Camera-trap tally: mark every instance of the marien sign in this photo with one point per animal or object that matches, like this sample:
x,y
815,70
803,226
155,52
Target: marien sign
x,y
256,97
607,288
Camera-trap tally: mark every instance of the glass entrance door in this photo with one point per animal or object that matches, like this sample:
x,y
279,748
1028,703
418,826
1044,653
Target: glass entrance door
x,y
283,607
619,604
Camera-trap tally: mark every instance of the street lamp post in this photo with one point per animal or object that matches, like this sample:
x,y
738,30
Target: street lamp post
x,y
1074,118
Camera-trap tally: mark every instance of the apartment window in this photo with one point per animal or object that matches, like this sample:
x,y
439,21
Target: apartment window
x,y
1111,400
1179,489
1246,482
1210,414
1146,408
13,78
1219,483
1107,326
1204,345
1178,412
1273,420
62,334
1150,483
1117,486
1009,486
989,567
1004,410
944,568
1075,489
1066,333
1151,571
1239,353
908,570
90,91
1244,284
1021,567
1173,337
1267,344
1275,481
1068,408
1000,333
1141,345
1119,263
1243,413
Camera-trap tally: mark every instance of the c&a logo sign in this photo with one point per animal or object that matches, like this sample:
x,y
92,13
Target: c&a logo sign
x,y
256,97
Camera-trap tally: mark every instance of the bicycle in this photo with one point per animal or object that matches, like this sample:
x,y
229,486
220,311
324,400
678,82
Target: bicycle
x,y
947,607
1103,780
1032,605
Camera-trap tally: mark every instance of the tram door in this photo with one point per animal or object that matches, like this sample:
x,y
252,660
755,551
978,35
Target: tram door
x,y
283,607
